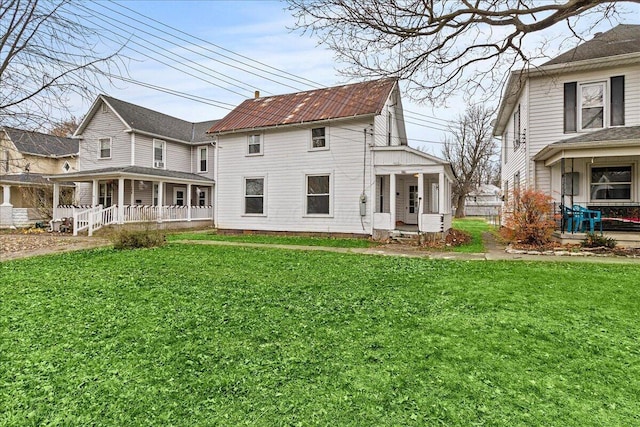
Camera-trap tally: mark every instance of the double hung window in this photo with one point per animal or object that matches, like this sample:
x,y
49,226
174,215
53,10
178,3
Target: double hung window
x,y
254,196
318,195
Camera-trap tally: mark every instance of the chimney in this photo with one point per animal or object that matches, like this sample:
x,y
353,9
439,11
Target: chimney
x,y
256,94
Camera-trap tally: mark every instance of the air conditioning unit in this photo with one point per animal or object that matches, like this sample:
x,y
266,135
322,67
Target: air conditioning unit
x,y
158,164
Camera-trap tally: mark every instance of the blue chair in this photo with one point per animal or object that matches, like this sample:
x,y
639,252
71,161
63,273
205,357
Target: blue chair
x,y
572,218
588,218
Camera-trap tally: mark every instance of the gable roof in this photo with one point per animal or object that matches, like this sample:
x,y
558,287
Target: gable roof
x,y
350,100
41,144
151,122
620,40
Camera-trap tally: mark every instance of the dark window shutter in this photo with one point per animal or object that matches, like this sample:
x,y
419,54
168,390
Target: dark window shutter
x,y
617,101
570,106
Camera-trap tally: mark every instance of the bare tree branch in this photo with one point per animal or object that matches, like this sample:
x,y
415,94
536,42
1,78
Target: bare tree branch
x,y
444,46
47,55
470,150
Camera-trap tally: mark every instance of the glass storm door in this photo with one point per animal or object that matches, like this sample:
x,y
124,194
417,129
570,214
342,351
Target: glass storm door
x,y
412,205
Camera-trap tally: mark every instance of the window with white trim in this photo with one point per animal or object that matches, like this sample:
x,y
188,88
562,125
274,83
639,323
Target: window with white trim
x,y
179,196
104,148
66,167
319,138
203,155
254,196
592,105
318,194
159,153
254,145
611,183
155,194
202,198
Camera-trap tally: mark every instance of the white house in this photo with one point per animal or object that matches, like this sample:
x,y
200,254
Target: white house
x,y
575,120
330,160
136,165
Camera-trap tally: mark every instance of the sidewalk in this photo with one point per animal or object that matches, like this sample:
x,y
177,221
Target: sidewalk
x,y
494,251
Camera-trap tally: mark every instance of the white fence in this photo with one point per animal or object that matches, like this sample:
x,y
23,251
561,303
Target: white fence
x,y
92,218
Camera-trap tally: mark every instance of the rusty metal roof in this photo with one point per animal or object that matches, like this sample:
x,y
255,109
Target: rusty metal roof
x,y
302,107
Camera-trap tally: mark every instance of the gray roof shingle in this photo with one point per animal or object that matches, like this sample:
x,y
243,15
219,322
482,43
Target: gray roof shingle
x,y
620,40
41,144
139,170
609,134
150,121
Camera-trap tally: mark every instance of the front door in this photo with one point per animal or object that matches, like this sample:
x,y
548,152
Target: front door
x,y
411,214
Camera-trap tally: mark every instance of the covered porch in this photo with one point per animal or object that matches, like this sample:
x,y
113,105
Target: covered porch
x,y
135,194
599,172
412,192
25,199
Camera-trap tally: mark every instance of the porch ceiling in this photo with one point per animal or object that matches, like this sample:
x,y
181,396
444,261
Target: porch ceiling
x,y
134,172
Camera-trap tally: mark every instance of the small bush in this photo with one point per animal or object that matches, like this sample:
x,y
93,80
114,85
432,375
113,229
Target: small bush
x,y
528,218
593,240
132,239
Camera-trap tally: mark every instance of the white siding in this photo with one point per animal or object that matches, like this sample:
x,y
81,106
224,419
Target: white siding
x,y
195,160
285,162
178,156
381,122
104,125
547,109
517,157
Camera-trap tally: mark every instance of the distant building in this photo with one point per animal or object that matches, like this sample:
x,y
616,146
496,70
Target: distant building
x,y
485,201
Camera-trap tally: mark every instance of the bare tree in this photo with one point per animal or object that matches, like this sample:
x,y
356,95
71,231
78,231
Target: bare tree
x,y
47,55
443,46
66,127
470,150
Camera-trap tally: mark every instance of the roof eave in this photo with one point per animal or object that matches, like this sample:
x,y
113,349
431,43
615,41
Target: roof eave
x,y
288,125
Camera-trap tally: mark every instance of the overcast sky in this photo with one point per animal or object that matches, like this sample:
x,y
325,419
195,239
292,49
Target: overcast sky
x,y
208,34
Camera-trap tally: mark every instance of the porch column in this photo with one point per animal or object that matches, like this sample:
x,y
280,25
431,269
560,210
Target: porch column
x,y
6,195
6,208
160,200
56,198
120,200
392,199
94,193
132,199
420,199
188,202
442,190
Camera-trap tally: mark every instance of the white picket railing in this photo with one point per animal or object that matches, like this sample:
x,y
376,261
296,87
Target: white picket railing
x,y
93,218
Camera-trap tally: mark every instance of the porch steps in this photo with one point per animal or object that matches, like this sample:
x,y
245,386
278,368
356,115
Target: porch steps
x,y
406,237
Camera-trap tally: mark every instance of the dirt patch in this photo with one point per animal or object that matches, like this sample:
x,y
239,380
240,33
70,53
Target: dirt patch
x,y
21,245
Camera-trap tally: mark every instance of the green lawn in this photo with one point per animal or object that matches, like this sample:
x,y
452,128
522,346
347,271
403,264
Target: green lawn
x,y
196,335
276,240
475,227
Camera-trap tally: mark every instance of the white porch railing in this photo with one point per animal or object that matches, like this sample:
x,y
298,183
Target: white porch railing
x,y
93,218
429,223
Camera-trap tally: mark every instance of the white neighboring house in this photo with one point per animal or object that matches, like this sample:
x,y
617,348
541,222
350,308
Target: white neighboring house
x,y
330,160
484,201
576,120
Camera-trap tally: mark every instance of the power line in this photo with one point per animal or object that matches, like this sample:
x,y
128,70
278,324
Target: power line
x,y
286,74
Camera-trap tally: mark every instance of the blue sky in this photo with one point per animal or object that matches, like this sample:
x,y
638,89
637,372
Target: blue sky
x,y
256,30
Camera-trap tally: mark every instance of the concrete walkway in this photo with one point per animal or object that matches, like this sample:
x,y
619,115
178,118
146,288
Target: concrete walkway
x,y
494,251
